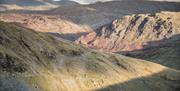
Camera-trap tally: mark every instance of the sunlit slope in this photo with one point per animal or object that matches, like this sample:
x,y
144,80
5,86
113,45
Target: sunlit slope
x,y
31,61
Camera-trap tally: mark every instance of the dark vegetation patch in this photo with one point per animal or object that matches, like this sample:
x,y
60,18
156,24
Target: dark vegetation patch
x,y
50,55
10,64
71,52
121,63
95,66
3,40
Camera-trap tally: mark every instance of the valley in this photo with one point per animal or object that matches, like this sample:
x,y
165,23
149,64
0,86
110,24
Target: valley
x,y
32,61
86,45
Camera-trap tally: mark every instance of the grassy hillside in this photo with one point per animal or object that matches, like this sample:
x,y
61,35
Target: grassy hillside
x,y
166,54
32,61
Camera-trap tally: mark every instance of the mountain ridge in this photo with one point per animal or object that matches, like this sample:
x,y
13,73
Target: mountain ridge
x,y
132,32
38,61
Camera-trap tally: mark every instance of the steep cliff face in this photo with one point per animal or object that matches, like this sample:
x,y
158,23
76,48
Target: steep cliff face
x,y
32,61
134,32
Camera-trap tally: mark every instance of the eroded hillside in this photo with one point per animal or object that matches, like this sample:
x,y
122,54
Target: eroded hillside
x,y
32,61
134,32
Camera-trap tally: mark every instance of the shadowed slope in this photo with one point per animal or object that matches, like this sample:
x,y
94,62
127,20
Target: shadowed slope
x,y
148,83
166,52
99,14
32,61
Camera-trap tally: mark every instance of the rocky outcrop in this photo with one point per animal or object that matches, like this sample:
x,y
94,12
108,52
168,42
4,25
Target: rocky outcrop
x,y
35,61
134,32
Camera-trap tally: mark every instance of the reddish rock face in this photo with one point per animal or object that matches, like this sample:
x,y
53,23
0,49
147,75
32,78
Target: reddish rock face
x,y
133,32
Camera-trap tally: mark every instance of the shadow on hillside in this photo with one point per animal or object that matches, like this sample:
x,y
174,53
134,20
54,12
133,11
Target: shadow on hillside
x,y
108,11
63,2
69,36
165,52
22,3
99,14
166,80
121,7
162,81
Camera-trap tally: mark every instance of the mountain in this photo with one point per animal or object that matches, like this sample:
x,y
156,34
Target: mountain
x,y
62,2
98,14
35,61
67,2
150,37
133,32
22,2
35,5
70,21
37,2
95,1
48,24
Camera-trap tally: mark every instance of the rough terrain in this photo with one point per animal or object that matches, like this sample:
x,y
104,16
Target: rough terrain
x,y
134,32
32,61
100,13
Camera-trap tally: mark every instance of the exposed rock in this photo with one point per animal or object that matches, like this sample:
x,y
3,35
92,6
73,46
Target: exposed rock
x,y
52,64
134,32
